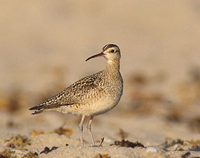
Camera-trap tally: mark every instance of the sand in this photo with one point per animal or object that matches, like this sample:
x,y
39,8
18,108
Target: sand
x,y
43,49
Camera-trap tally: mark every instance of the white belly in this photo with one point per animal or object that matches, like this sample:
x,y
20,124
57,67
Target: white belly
x,y
93,108
102,106
95,105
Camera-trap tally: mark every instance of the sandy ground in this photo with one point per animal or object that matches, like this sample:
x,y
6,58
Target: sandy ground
x,y
43,49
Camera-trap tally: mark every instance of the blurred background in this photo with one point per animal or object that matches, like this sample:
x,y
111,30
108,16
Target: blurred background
x,y
44,44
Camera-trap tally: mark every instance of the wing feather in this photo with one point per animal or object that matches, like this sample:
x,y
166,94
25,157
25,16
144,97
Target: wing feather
x,y
73,94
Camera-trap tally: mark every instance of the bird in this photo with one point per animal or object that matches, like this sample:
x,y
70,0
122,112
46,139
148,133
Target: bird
x,y
92,95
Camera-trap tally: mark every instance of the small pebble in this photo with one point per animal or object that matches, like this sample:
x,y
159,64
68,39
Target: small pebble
x,y
151,149
108,140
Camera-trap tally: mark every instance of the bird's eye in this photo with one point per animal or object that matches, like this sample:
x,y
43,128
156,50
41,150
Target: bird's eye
x,y
112,50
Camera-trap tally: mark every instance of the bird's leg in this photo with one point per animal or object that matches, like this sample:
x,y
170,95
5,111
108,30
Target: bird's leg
x,y
81,129
89,127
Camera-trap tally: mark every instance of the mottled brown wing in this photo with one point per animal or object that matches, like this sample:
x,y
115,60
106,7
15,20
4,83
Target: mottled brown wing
x,y
73,94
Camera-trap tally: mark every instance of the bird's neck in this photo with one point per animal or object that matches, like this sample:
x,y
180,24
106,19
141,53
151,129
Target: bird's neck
x,y
113,67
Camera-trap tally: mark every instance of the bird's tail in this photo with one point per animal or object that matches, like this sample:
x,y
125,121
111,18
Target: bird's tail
x,y
44,107
38,109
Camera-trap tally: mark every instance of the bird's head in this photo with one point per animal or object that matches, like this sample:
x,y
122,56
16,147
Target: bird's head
x,y
110,51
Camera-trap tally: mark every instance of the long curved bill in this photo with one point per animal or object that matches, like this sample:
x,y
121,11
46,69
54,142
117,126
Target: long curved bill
x,y
94,56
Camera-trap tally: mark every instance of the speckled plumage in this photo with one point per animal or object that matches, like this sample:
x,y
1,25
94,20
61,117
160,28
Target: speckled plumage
x,y
91,95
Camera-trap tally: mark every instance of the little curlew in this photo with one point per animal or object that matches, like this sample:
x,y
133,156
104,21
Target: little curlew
x,y
91,95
